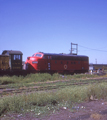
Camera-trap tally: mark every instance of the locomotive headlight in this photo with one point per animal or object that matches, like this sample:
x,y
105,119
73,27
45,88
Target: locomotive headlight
x,y
33,59
34,62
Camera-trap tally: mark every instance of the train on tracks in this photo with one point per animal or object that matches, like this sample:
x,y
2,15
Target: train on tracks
x,y
61,63
11,62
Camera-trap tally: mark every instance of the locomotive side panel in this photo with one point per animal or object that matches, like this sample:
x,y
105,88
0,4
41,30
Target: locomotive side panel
x,y
42,65
4,62
69,64
85,64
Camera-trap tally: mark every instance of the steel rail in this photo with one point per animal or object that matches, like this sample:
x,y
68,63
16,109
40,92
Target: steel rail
x,y
4,91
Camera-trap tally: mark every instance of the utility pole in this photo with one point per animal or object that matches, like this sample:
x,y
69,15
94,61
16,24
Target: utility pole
x,y
74,47
96,61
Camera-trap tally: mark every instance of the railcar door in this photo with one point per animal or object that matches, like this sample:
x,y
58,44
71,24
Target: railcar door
x,y
49,62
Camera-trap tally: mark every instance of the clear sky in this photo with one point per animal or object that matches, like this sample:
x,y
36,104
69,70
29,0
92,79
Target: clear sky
x,y
51,25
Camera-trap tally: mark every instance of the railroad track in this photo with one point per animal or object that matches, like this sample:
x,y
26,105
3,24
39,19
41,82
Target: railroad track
x,y
49,86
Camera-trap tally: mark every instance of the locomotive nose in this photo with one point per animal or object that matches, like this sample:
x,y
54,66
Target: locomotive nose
x,y
28,58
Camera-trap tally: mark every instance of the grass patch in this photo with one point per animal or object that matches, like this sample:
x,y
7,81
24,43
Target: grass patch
x,y
43,101
31,79
42,77
62,97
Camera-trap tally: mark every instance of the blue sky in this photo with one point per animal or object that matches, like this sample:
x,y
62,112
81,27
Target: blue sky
x,y
51,25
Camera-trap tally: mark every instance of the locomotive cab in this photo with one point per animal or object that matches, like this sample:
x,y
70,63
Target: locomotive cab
x,y
15,59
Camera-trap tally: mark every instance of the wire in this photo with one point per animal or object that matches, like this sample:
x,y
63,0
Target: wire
x,y
93,49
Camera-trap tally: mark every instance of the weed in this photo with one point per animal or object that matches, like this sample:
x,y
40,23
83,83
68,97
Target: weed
x,y
62,97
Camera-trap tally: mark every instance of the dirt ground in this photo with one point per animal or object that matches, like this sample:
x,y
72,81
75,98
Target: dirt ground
x,y
93,110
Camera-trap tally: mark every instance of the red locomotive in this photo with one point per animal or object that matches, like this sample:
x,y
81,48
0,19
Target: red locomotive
x,y
61,63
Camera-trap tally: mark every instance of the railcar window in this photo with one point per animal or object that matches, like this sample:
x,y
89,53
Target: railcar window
x,y
44,57
7,53
49,57
38,55
33,55
16,57
55,61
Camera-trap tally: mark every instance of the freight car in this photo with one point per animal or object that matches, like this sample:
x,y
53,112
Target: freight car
x,y
61,63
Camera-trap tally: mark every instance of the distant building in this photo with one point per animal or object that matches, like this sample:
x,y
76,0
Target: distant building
x,y
97,66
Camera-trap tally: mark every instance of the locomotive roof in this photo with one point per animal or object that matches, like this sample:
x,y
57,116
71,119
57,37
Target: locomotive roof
x,y
11,52
4,55
61,54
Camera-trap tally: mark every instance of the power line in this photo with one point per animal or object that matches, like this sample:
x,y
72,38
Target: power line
x,y
93,49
